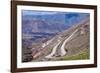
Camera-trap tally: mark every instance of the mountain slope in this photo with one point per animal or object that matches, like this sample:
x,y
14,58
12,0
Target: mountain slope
x,y
77,41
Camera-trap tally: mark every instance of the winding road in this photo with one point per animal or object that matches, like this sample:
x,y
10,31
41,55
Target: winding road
x,y
53,51
63,51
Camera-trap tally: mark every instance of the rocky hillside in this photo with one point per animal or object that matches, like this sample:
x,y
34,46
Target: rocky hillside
x,y
53,36
68,43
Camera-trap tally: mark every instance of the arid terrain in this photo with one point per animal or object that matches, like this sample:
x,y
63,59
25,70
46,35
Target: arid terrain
x,y
55,36
70,44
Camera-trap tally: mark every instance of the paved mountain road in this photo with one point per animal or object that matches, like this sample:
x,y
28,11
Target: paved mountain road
x,y
62,48
53,51
63,51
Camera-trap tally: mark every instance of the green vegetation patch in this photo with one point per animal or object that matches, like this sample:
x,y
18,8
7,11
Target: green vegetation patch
x,y
81,56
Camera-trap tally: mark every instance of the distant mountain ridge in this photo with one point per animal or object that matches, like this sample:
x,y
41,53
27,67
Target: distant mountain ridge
x,y
50,23
42,26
